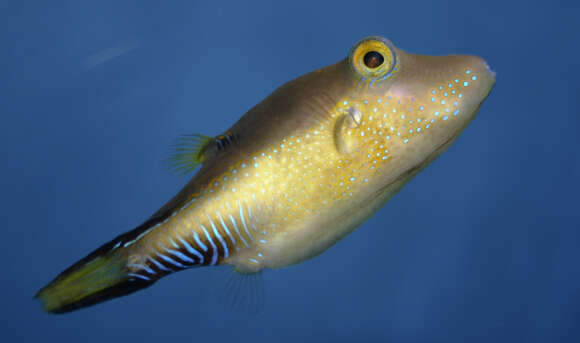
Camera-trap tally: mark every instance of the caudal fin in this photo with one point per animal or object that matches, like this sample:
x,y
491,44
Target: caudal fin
x,y
100,276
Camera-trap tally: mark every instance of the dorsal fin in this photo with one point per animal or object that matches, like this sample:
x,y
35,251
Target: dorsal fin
x,y
189,151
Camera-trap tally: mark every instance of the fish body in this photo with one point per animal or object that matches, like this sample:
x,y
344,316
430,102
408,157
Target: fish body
x,y
297,173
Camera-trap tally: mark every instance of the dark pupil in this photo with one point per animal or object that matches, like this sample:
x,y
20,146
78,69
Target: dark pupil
x,y
373,59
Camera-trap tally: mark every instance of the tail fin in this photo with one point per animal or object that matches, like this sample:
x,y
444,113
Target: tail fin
x,y
100,276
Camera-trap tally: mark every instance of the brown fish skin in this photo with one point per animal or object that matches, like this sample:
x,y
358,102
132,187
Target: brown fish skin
x,y
306,166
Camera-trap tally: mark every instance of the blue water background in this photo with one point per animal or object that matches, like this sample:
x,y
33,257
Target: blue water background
x,y
482,246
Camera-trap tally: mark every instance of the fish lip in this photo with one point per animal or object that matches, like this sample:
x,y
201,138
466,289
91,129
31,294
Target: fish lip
x,y
439,149
421,165
491,71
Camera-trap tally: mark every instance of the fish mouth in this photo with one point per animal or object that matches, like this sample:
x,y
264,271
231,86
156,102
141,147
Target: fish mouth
x,y
491,71
408,174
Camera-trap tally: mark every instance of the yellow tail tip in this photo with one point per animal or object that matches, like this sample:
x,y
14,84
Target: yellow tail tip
x,y
88,283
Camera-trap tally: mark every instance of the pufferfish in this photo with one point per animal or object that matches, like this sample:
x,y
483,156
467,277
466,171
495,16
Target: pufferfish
x,y
297,173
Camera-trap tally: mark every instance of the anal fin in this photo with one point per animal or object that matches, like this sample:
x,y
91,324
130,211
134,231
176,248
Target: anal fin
x,y
242,293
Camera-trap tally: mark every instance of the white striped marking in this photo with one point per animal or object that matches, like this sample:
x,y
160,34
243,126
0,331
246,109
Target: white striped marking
x,y
226,228
213,247
199,242
175,245
238,231
143,234
159,265
244,221
253,222
191,250
180,255
219,237
170,260
139,276
141,266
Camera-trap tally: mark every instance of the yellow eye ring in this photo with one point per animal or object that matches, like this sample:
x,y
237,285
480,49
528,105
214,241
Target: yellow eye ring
x,y
372,57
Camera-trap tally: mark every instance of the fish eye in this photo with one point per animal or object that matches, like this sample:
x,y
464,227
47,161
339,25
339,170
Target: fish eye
x,y
372,57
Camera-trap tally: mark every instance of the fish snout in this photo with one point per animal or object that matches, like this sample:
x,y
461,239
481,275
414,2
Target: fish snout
x,y
467,81
477,80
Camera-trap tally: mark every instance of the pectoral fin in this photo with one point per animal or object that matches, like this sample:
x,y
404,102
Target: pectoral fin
x,y
344,139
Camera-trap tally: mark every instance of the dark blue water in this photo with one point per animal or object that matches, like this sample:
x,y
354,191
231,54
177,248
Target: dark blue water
x,y
482,246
